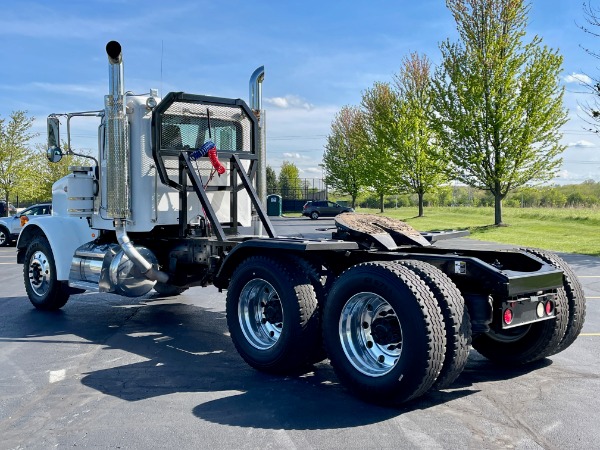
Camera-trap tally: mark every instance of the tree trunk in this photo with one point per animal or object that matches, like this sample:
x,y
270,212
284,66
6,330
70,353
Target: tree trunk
x,y
497,209
421,195
354,201
380,202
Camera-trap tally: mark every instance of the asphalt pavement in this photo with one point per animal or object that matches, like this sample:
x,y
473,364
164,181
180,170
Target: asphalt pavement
x,y
161,372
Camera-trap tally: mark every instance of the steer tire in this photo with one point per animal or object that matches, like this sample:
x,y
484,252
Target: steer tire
x,y
272,314
384,332
575,296
45,292
456,320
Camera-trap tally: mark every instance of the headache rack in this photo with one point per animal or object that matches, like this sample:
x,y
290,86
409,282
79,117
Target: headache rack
x,y
181,124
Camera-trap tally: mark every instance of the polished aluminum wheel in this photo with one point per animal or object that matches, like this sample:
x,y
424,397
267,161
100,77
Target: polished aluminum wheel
x,y
260,314
371,334
39,273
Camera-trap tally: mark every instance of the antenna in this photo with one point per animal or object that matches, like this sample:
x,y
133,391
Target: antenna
x,y
208,119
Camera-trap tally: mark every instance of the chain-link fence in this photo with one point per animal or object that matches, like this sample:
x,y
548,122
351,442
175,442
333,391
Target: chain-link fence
x,y
297,192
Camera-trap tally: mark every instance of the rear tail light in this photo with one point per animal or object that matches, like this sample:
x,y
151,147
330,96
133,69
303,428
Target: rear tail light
x,y
549,307
508,316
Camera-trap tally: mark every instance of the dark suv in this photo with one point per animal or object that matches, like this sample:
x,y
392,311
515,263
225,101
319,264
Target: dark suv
x,y
323,208
3,212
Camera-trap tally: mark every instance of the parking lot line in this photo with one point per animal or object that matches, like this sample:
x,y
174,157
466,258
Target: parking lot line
x,y
588,276
589,334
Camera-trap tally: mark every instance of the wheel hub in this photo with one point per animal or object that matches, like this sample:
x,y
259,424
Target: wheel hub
x,y
370,334
260,314
272,312
39,273
386,330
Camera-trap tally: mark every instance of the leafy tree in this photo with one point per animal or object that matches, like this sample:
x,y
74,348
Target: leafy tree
x,y
380,121
344,159
592,108
47,172
272,186
423,164
289,180
498,99
16,170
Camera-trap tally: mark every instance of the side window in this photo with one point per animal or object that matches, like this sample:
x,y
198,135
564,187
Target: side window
x,y
331,204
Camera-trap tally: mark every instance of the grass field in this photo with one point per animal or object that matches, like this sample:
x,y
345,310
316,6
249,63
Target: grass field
x,y
562,230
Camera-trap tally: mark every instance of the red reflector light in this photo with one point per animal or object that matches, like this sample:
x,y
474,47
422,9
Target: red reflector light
x,y
508,316
549,308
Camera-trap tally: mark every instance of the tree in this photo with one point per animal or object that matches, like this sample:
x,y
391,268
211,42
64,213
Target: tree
x,y
289,180
16,169
272,186
592,108
344,160
48,172
498,100
422,162
380,120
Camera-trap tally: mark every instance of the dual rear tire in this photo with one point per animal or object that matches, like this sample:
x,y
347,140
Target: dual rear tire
x,y
529,343
392,331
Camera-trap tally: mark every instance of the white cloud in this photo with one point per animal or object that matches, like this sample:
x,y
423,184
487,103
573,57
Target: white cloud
x,y
581,143
289,101
316,170
579,78
292,155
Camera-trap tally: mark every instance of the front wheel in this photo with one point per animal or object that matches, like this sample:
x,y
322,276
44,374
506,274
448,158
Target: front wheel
x,y
4,237
314,215
272,314
39,273
384,332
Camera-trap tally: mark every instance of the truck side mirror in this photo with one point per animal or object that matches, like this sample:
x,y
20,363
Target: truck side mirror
x,y
54,153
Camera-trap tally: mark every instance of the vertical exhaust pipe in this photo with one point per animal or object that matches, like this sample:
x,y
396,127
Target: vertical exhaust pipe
x,y
117,137
256,81
117,162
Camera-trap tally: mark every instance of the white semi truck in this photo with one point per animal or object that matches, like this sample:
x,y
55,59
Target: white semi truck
x,y
170,202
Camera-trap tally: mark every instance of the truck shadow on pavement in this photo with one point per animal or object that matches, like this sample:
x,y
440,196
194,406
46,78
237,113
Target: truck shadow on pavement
x,y
186,349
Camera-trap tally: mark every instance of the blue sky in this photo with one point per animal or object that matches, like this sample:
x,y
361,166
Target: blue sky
x,y
318,57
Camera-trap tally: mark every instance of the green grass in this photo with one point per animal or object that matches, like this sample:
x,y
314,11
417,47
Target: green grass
x,y
562,230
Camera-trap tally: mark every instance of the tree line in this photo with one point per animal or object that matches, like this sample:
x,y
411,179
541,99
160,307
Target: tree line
x,y
583,195
488,117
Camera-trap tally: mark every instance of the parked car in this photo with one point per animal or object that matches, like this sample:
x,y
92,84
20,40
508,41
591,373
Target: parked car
x,y
11,226
11,209
315,209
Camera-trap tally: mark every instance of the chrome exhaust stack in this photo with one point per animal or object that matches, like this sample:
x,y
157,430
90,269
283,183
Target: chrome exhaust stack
x,y
117,163
255,97
256,81
117,138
